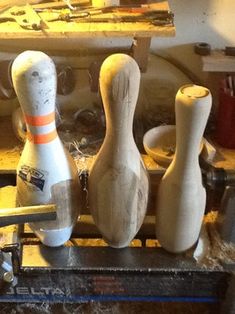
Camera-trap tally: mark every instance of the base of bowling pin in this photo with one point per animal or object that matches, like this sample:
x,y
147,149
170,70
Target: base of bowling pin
x,y
54,238
118,245
177,249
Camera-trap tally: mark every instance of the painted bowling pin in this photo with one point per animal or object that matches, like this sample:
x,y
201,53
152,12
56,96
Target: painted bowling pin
x,y
181,196
46,173
118,182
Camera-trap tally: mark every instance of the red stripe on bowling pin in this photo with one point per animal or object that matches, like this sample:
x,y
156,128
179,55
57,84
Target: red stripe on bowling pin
x,y
42,138
41,121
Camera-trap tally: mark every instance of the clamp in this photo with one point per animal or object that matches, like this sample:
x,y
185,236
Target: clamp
x,y
9,253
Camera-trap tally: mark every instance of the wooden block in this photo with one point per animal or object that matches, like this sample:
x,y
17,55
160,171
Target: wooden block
x,y
140,50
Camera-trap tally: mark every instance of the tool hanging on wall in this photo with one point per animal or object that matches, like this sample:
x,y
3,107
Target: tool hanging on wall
x,y
65,80
6,88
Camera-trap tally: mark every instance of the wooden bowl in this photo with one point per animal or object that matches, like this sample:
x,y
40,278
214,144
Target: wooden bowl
x,y
160,142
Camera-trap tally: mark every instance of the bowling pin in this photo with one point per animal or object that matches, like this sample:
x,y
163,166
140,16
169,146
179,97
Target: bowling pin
x,y
118,181
181,197
46,173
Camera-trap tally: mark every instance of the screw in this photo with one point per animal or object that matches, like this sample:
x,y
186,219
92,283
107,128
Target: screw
x,y
8,277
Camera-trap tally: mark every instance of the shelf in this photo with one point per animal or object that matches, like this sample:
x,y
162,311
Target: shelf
x,y
217,61
73,29
61,30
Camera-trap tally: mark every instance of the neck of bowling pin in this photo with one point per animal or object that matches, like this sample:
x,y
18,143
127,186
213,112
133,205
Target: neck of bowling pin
x,y
119,123
119,86
192,108
189,132
187,150
41,129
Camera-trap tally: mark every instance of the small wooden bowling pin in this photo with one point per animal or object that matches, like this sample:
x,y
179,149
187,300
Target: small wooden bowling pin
x,y
46,173
118,182
181,196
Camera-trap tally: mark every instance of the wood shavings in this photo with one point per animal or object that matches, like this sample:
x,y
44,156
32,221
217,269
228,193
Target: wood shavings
x,y
151,165
219,252
203,245
211,217
84,163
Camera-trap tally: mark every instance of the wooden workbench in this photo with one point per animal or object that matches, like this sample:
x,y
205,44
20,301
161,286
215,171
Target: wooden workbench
x,y
141,32
73,29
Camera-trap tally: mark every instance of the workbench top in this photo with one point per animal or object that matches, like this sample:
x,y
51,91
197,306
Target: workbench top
x,y
74,29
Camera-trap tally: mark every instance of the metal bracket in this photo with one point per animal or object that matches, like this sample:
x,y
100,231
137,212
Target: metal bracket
x,y
10,264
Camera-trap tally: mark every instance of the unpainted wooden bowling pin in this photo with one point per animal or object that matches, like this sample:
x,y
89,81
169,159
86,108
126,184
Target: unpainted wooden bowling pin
x,y
181,196
46,173
118,182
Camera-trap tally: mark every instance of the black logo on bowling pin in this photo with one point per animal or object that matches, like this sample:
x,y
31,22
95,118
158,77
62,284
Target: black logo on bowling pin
x,y
33,176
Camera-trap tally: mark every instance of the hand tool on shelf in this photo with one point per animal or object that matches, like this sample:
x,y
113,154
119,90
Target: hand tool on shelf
x,y
90,16
24,16
112,9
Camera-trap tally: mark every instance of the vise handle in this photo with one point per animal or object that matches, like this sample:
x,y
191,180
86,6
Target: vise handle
x,y
18,215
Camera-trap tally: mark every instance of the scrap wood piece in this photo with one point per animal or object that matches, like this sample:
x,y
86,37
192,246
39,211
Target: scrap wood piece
x,y
60,4
140,50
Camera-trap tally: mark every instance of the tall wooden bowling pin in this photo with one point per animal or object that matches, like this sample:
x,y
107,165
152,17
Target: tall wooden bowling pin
x,y
46,173
118,182
181,195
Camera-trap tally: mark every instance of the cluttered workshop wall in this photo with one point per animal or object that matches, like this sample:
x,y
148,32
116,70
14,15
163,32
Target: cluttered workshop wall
x,y
208,21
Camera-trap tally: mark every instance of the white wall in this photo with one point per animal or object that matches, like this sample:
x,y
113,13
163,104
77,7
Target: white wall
x,y
211,21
